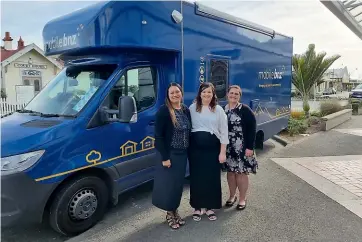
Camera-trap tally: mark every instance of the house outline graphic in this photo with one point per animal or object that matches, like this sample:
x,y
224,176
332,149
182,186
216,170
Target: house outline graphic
x,y
125,148
148,138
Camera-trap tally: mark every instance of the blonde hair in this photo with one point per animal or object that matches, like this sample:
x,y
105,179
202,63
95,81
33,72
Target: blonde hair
x,y
237,87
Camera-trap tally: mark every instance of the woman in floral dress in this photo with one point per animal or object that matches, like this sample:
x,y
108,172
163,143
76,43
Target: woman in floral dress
x,y
240,155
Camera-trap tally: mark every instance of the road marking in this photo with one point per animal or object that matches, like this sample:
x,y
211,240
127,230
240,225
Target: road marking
x,y
350,131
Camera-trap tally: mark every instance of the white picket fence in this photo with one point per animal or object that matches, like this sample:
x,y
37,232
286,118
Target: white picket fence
x,y
8,108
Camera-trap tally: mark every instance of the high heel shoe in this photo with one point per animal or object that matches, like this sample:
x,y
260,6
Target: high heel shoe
x,y
230,203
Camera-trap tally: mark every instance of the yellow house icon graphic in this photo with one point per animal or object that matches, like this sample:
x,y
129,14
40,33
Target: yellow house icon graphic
x,y
128,148
148,143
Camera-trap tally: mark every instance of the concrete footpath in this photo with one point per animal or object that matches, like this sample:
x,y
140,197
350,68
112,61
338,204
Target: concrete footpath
x,y
295,203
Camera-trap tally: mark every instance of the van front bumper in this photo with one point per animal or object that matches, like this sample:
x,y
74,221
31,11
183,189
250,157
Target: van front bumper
x,y
22,199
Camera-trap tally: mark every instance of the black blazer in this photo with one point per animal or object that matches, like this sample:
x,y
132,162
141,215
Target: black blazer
x,y
248,125
164,130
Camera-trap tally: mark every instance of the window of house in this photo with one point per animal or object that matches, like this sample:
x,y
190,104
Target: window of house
x,y
219,76
139,83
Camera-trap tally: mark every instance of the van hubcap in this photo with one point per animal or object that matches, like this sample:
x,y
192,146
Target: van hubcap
x,y
83,204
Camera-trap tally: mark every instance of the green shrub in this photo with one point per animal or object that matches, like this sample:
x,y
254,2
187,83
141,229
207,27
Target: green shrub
x,y
313,120
315,114
355,101
329,107
297,126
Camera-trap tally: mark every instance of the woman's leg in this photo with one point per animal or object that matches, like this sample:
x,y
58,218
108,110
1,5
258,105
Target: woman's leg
x,y
231,178
243,185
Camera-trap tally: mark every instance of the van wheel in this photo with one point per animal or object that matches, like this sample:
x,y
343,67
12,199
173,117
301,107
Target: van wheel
x,y
79,205
259,140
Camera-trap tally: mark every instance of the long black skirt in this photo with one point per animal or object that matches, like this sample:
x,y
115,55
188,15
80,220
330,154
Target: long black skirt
x,y
205,171
169,182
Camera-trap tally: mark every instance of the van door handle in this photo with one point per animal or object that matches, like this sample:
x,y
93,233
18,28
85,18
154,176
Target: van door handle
x,y
152,122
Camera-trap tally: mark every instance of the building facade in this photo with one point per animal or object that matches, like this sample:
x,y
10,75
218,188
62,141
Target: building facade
x,y
24,70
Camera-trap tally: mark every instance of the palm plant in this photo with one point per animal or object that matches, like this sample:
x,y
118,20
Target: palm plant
x,y
308,72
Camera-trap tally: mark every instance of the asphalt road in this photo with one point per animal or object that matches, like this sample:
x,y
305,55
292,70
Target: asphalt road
x,y
281,207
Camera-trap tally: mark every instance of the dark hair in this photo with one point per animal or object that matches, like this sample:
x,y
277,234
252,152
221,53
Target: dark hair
x,y
214,100
168,102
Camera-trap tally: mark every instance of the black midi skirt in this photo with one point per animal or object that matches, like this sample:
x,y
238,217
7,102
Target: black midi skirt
x,y
205,171
169,182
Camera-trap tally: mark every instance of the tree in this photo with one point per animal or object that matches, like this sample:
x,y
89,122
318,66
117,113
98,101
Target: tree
x,y
308,71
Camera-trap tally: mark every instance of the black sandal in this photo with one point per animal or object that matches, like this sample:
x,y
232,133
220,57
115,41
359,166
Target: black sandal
x,y
211,216
196,217
241,207
230,203
172,221
179,220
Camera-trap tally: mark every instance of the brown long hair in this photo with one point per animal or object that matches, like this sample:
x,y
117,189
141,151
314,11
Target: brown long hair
x,y
214,100
169,104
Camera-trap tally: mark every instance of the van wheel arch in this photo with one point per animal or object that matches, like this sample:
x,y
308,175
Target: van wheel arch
x,y
97,172
259,140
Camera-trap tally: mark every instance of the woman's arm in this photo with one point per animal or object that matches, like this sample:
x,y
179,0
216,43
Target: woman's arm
x,y
160,128
249,121
223,127
224,133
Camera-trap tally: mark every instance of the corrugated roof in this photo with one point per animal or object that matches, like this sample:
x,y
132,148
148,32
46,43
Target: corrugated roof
x,y
349,12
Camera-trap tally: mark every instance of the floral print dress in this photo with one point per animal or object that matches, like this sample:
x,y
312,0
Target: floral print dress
x,y
236,160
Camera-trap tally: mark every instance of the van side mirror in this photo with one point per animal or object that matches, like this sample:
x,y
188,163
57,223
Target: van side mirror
x,y
127,109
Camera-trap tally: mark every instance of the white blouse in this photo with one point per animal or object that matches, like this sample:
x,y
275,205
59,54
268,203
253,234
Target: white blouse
x,y
213,122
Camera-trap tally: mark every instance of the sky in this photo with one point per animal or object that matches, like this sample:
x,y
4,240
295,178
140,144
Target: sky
x,y
307,21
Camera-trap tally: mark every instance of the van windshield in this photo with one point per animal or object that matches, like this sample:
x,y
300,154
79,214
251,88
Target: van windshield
x,y
70,91
359,86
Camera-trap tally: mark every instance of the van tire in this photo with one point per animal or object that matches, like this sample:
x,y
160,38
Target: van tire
x,y
90,189
259,140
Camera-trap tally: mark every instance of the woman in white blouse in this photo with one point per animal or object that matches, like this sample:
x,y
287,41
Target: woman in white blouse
x,y
207,150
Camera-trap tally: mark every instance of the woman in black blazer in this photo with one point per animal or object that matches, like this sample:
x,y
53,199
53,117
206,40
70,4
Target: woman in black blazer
x,y
172,132
240,155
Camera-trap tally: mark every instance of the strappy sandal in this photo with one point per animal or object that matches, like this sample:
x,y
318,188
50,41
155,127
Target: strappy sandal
x,y
196,216
179,220
172,221
230,203
211,216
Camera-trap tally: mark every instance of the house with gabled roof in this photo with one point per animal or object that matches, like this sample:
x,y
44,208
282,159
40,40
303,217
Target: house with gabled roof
x,y
24,66
128,148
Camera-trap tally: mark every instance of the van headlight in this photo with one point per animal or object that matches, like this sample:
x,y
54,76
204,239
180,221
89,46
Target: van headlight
x,y
17,163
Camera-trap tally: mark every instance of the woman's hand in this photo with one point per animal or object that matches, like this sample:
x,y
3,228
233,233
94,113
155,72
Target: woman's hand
x,y
222,157
166,163
249,152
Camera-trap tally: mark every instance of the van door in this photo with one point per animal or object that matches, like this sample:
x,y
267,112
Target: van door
x,y
130,146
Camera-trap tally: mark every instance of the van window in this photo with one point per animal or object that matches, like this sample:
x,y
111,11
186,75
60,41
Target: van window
x,y
71,89
219,70
139,83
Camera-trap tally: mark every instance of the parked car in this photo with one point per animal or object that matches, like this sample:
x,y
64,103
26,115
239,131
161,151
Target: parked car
x,y
357,92
330,91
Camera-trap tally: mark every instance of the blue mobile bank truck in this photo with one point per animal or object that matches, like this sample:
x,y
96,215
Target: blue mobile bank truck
x,y
89,134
